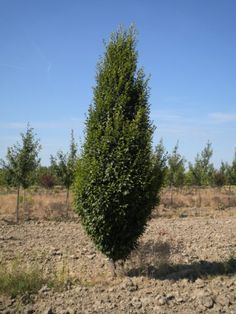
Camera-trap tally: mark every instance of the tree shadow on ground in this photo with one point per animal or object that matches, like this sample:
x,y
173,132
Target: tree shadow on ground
x,y
189,271
151,260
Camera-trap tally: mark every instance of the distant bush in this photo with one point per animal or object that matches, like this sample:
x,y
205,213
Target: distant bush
x,y
47,181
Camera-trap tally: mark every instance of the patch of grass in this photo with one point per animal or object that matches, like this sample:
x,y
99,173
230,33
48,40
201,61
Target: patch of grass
x,y
17,279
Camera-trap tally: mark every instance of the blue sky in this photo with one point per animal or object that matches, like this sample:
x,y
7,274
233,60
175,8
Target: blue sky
x,y
48,56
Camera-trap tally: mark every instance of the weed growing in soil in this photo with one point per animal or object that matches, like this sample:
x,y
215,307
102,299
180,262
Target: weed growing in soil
x,y
61,278
17,279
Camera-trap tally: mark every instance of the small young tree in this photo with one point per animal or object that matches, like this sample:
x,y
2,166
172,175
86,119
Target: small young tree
x,y
176,169
220,175
116,186
21,163
64,166
201,172
160,158
232,171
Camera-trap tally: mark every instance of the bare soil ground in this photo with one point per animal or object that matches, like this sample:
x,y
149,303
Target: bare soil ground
x,y
185,264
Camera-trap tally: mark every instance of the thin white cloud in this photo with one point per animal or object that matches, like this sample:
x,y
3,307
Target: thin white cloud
x,y
184,124
221,117
12,66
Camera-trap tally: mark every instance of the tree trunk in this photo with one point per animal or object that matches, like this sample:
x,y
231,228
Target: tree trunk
x,y
121,268
113,268
25,209
67,200
17,204
171,196
23,203
200,200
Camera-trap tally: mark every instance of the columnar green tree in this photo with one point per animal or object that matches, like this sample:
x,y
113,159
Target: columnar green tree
x,y
21,163
116,186
64,165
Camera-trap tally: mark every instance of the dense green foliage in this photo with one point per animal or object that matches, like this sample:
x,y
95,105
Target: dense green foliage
x,y
116,186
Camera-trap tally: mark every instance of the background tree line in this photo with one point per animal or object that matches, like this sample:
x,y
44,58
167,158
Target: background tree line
x,y
22,166
177,172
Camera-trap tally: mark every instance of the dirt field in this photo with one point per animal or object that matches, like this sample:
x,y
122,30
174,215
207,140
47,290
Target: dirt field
x,y
185,264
